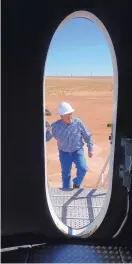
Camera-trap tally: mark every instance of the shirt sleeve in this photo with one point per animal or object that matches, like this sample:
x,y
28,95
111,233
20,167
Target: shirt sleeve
x,y
48,135
87,136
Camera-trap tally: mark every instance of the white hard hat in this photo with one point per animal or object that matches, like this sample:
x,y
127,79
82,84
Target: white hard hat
x,y
64,108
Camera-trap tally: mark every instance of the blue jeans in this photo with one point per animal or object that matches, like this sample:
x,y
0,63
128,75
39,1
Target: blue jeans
x,y
66,159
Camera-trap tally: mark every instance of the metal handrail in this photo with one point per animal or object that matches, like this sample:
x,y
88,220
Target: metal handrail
x,y
101,177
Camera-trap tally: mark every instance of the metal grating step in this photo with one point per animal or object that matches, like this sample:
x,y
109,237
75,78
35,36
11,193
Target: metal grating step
x,y
77,207
76,192
75,223
77,212
78,202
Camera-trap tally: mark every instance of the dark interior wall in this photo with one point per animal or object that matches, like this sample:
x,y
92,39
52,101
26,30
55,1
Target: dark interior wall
x,y
27,28
22,104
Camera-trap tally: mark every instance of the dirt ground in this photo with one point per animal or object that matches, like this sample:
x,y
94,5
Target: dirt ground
x,y
92,99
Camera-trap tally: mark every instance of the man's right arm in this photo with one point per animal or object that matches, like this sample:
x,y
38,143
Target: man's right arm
x,y
51,131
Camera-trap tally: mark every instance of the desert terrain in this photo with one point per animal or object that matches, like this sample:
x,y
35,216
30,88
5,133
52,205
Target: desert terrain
x,y
92,99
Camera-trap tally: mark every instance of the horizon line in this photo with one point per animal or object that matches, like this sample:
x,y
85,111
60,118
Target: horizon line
x,y
78,76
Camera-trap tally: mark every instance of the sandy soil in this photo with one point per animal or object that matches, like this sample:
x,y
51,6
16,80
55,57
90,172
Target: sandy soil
x,y
92,99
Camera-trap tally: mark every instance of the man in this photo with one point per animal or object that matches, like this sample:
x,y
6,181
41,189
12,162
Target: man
x,y
70,133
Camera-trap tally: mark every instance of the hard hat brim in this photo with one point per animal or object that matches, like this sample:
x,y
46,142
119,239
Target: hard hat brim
x,y
66,113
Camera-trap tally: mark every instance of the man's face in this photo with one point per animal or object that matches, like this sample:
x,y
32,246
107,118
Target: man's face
x,y
67,118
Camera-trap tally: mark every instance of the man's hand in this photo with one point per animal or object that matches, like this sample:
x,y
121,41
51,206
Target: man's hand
x,y
48,126
90,154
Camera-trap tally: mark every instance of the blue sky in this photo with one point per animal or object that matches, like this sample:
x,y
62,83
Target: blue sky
x,y
79,48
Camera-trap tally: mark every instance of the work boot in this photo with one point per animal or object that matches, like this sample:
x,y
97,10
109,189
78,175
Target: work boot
x,y
75,186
